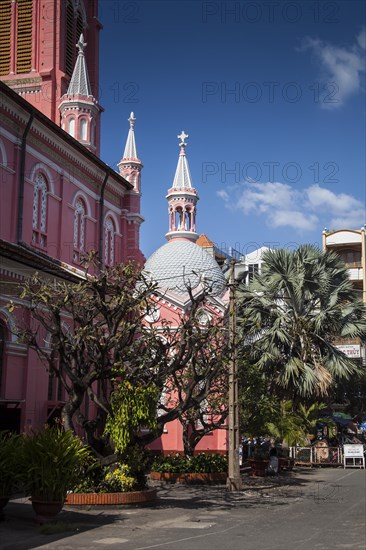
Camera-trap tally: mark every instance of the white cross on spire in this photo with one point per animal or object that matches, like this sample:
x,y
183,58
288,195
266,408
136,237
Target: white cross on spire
x,y
183,136
81,45
132,120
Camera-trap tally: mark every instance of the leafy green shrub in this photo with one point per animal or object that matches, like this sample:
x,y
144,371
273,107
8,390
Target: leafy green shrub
x,y
201,463
120,480
10,445
52,461
137,458
95,478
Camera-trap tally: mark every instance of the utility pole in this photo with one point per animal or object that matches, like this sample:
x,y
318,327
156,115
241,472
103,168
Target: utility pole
x,y
233,482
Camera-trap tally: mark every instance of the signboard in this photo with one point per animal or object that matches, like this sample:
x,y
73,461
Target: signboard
x,y
353,451
351,350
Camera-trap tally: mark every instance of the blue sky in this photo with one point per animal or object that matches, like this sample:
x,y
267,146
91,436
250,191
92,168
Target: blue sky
x,y
272,95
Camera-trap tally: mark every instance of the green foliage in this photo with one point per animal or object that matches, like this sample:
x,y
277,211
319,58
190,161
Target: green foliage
x,y
132,407
95,478
311,416
287,426
10,447
137,458
52,461
292,313
201,463
257,405
120,480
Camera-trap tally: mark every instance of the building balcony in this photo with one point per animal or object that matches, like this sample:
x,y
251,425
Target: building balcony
x,y
355,273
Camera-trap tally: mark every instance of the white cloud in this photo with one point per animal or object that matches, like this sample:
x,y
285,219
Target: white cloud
x,y
307,210
319,197
295,219
224,195
342,68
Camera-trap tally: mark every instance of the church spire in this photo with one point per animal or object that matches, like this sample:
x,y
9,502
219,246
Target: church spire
x,y
79,110
130,165
79,83
182,198
182,178
130,149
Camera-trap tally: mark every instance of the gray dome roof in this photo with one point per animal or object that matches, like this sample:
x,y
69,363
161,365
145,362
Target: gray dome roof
x,y
179,263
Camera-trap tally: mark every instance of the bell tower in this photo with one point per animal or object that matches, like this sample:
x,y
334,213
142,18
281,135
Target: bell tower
x,y
130,165
182,198
37,48
79,109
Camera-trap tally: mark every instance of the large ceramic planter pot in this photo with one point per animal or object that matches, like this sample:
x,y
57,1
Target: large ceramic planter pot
x,y
259,467
46,511
200,478
111,499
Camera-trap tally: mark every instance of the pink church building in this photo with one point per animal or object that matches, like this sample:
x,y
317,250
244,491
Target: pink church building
x,y
177,264
58,199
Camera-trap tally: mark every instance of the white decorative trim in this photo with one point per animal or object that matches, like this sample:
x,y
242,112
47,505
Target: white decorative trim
x,y
81,195
11,274
112,215
10,322
41,167
4,158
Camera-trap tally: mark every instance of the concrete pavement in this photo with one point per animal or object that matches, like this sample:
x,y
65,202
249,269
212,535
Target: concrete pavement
x,y
321,509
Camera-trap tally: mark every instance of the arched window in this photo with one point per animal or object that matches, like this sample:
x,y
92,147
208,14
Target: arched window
x,y
109,242
79,229
72,127
5,37
83,129
39,236
24,36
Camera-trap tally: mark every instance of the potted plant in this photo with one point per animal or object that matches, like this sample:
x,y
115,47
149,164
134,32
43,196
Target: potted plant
x,y
52,461
259,461
9,451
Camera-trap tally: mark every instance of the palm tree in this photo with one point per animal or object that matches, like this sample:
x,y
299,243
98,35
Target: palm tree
x,y
291,315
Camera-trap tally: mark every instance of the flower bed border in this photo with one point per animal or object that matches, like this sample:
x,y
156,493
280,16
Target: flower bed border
x,y
110,499
189,478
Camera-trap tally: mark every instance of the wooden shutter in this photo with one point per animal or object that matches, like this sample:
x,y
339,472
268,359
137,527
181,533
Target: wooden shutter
x,y
5,29
24,36
79,26
70,46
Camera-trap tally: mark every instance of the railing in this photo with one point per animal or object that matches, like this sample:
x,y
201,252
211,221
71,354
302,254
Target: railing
x,y
317,455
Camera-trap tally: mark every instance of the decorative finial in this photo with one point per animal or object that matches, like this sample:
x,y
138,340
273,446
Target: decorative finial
x,y
81,45
131,120
183,136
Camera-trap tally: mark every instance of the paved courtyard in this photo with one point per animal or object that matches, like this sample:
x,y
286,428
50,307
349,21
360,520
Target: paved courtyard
x,y
321,509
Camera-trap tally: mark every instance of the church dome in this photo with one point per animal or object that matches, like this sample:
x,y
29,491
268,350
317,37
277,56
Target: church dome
x,y
181,263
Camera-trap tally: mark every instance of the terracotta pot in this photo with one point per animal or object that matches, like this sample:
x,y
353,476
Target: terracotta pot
x,y
189,478
46,511
111,499
259,466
